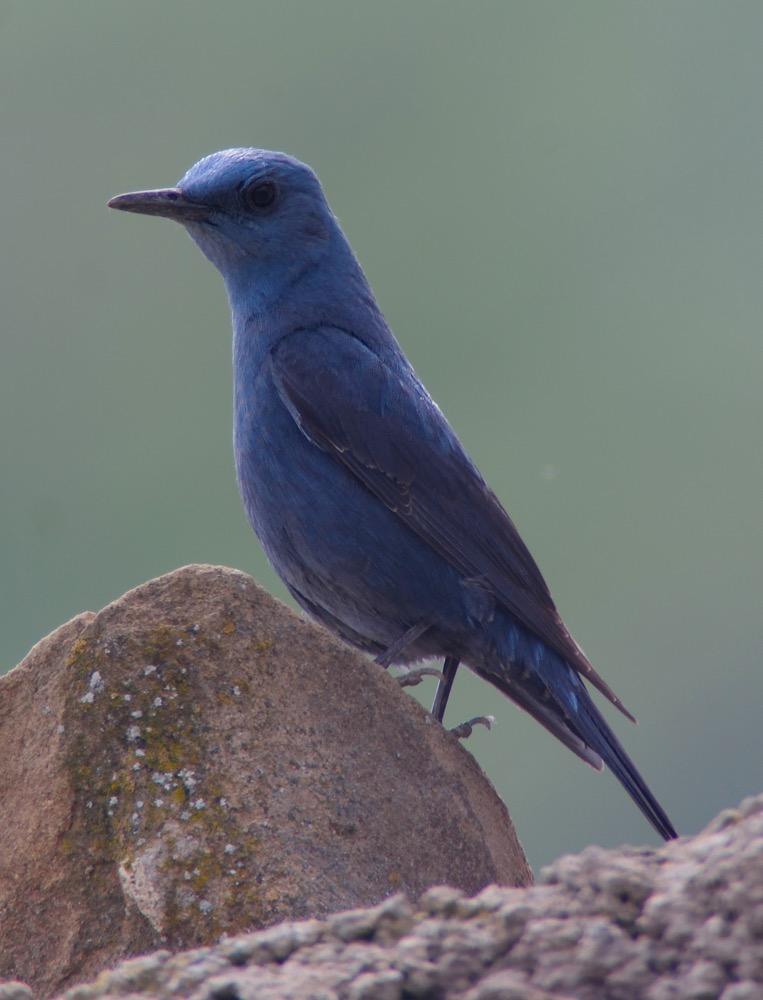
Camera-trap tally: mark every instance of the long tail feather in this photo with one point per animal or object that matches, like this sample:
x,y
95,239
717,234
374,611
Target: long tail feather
x,y
544,685
591,726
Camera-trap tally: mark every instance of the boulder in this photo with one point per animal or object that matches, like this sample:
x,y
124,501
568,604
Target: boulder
x,y
684,922
197,760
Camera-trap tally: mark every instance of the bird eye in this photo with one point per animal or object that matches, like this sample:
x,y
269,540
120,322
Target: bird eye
x,y
260,195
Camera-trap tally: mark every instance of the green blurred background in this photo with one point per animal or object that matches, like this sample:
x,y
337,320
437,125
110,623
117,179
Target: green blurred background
x,y
559,207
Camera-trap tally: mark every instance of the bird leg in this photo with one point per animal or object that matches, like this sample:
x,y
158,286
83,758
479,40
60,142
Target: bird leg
x,y
442,694
412,677
464,731
397,647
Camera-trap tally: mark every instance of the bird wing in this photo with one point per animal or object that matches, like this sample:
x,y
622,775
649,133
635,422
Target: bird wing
x,y
390,434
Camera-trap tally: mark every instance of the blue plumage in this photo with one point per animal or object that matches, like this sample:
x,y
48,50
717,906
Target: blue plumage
x,y
360,492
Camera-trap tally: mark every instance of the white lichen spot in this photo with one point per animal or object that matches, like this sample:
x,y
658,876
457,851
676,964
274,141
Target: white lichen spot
x,y
139,804
150,669
185,815
187,876
89,804
205,906
236,690
60,728
140,753
166,780
224,803
137,714
199,804
87,698
186,775
179,642
136,767
113,801
133,733
158,702
158,803
96,681
230,848
127,697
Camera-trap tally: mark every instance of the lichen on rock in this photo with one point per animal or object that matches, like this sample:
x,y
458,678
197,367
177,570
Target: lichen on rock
x,y
205,761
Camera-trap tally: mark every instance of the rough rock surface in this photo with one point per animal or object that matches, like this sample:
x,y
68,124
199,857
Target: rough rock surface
x,y
681,923
196,759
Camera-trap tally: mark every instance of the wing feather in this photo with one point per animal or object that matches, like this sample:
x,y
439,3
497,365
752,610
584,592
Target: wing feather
x,y
390,434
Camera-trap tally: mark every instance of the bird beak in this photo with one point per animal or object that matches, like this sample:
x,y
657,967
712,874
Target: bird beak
x,y
170,203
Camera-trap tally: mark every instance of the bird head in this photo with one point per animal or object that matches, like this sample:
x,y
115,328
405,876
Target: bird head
x,y
258,216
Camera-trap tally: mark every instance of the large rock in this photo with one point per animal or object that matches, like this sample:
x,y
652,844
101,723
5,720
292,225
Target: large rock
x,y
681,923
195,760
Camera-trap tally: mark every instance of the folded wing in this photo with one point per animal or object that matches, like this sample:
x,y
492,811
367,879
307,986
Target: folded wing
x,y
390,434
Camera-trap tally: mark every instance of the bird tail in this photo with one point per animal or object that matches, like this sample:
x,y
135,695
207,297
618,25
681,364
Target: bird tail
x,y
596,733
541,683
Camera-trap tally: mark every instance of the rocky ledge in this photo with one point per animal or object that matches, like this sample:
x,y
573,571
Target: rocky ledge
x,y
681,923
195,765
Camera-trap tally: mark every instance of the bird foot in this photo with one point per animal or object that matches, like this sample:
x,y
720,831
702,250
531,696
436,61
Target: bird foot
x,y
413,677
464,731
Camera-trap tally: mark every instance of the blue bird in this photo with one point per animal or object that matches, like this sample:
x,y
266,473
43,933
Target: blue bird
x,y
361,494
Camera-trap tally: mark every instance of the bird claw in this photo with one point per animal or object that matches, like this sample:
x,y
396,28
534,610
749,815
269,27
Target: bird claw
x,y
464,731
413,677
